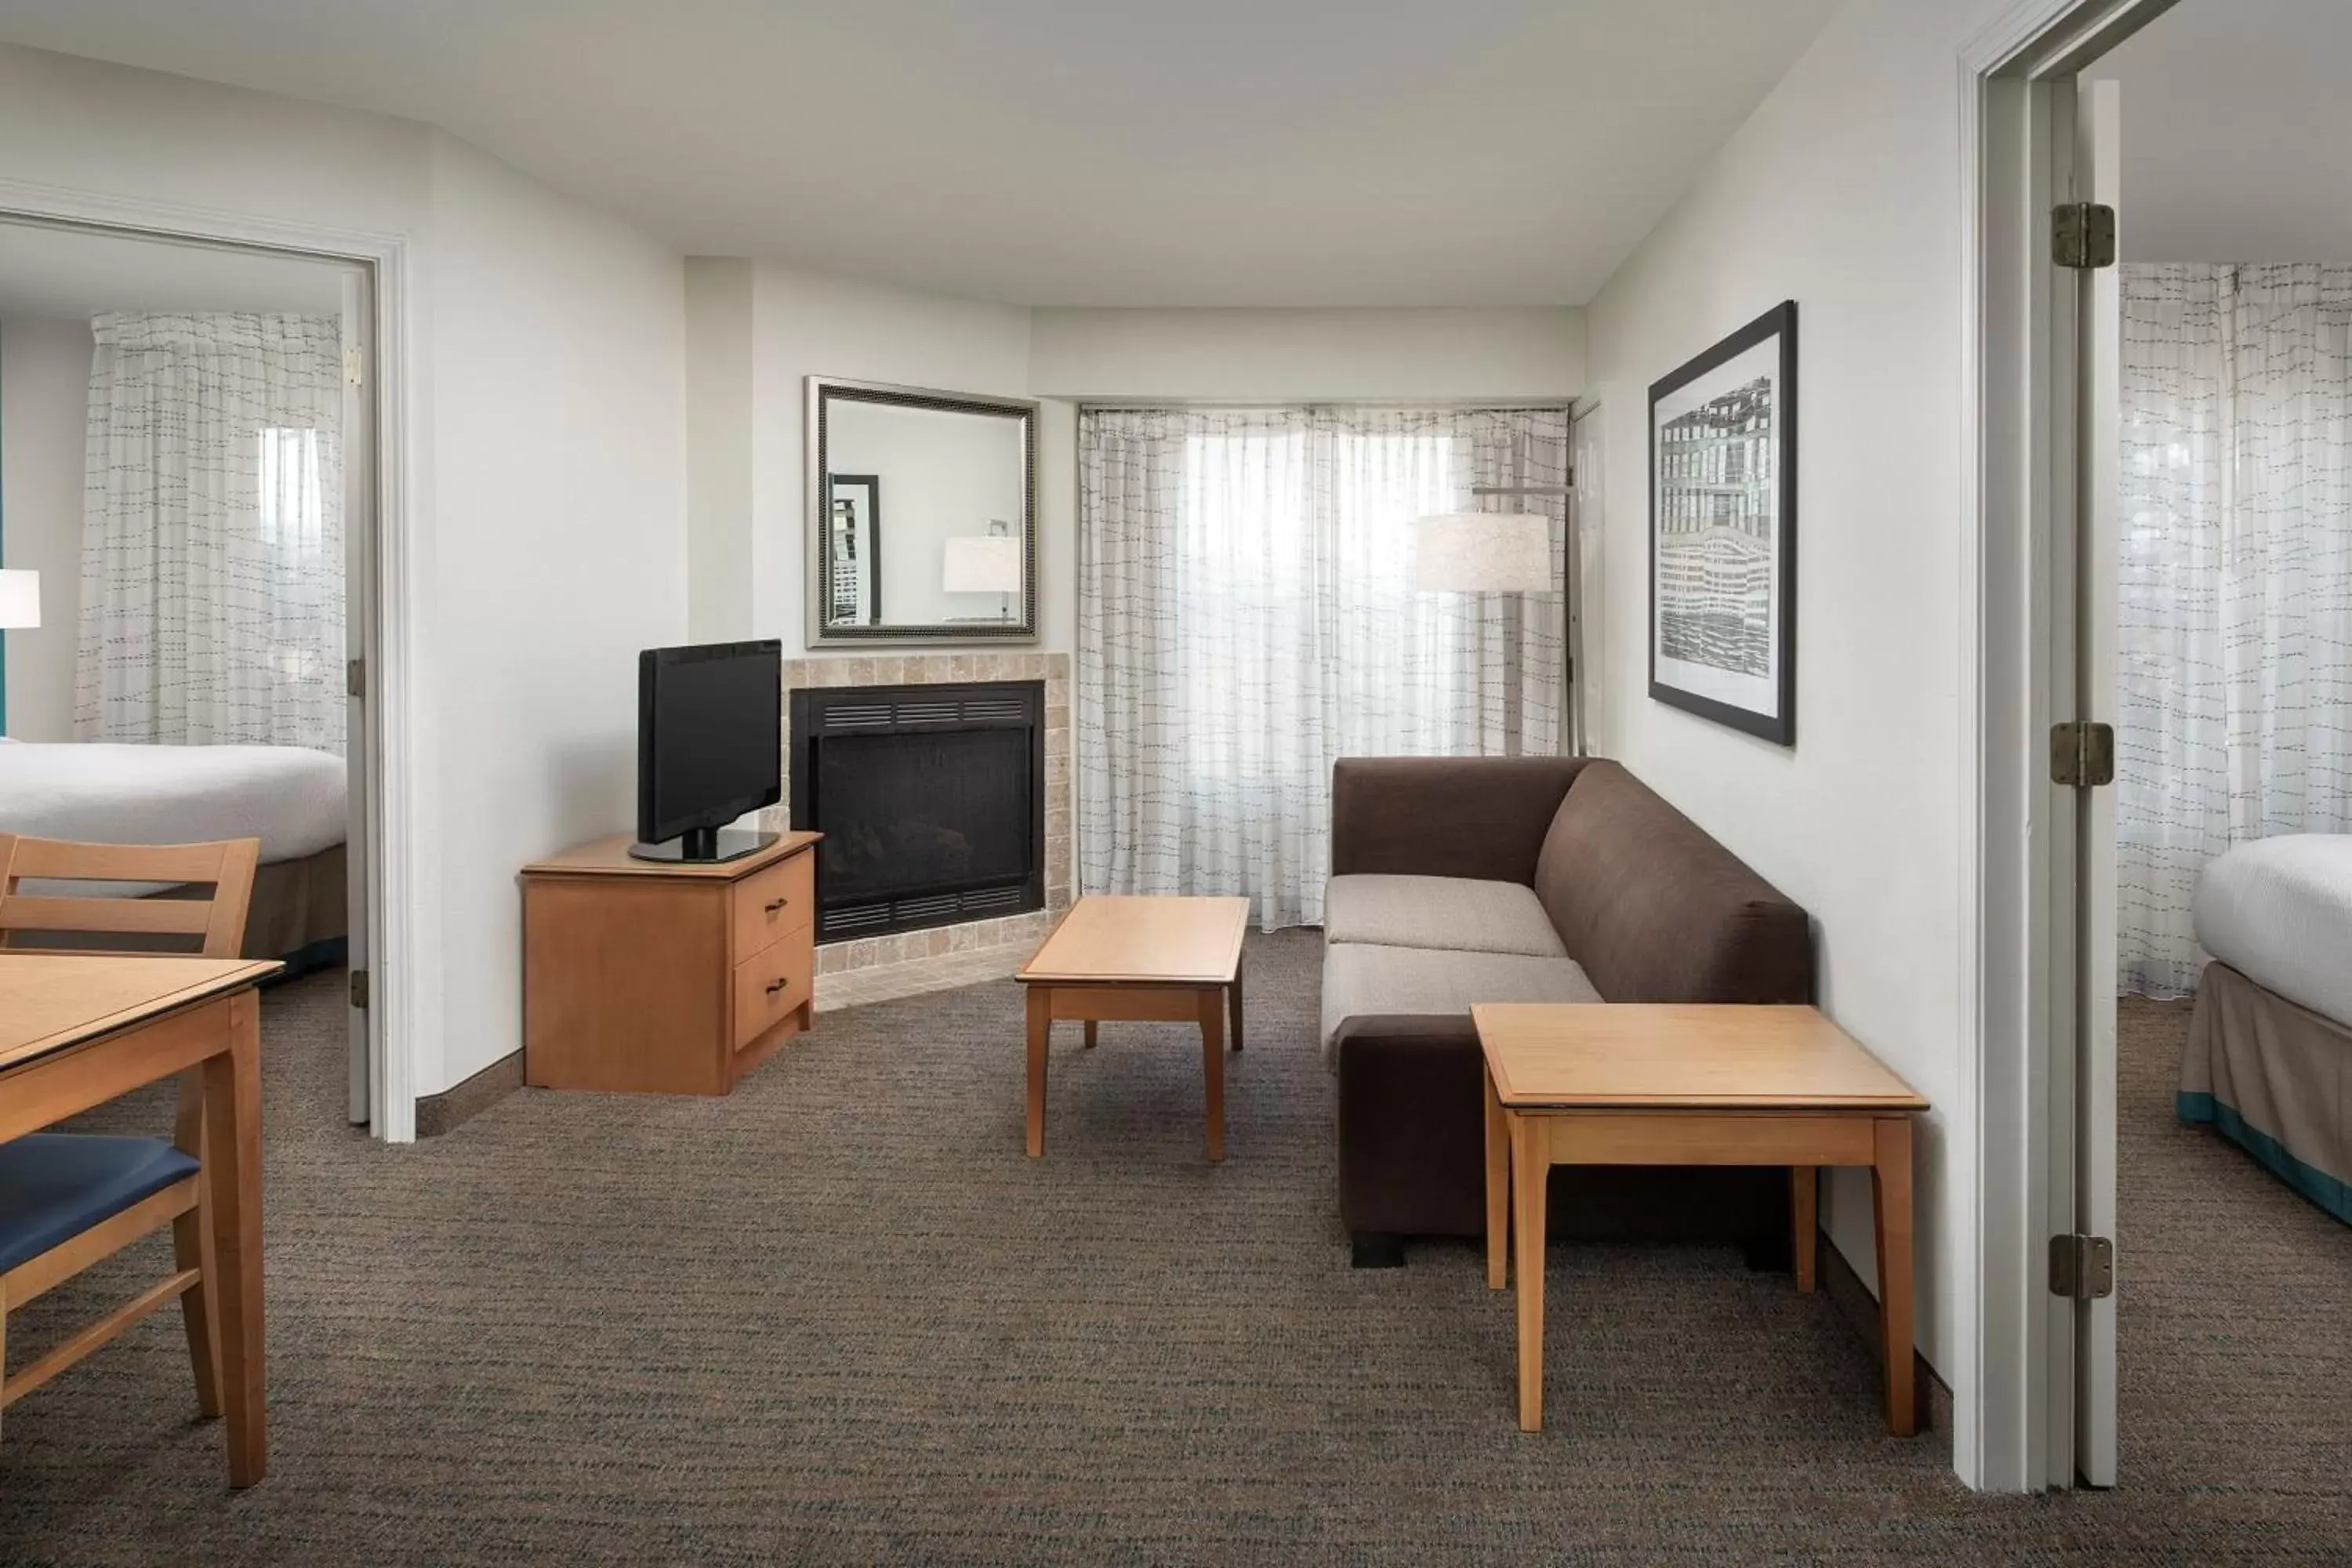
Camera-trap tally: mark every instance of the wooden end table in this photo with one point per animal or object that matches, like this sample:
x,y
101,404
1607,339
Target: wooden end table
x,y
1616,1084
1164,959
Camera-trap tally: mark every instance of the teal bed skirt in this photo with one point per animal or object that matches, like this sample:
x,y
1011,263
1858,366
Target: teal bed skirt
x,y
2326,1191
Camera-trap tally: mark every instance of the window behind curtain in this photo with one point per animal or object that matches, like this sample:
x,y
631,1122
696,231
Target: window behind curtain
x,y
1246,617
296,545
2234,685
212,579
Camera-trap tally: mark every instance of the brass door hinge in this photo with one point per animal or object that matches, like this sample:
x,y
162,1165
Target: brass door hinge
x,y
359,987
2083,236
2082,755
2082,1268
355,678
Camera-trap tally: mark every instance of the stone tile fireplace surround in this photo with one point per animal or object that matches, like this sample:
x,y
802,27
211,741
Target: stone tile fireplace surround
x,y
877,969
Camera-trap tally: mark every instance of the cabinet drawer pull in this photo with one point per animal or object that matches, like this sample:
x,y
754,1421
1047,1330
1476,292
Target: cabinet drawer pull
x,y
777,984
778,904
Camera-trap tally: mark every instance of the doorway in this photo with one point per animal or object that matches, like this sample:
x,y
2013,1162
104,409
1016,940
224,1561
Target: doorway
x,y
2037,941
192,434
2104,718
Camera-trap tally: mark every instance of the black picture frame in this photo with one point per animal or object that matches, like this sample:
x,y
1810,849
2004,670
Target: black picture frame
x,y
1759,702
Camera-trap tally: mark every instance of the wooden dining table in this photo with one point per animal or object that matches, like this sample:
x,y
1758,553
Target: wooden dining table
x,y
77,1030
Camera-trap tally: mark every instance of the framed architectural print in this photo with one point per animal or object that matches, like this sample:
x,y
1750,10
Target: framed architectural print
x,y
852,551
1723,531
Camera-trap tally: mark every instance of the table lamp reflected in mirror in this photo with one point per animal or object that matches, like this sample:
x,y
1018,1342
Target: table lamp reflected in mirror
x,y
983,564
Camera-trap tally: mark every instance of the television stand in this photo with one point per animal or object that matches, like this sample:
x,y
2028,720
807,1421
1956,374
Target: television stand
x,y
704,845
670,977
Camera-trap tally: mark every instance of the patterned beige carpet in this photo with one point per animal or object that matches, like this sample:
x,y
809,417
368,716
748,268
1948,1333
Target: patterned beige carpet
x,y
840,1319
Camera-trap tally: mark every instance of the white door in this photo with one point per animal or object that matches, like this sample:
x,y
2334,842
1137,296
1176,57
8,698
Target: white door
x,y
358,602
2084,313
2100,467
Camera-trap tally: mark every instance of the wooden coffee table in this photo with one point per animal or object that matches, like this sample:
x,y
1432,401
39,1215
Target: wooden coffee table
x,y
1166,960
1612,1084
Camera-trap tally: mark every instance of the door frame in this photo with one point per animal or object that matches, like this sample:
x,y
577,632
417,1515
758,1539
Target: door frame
x,y
2019,899
391,634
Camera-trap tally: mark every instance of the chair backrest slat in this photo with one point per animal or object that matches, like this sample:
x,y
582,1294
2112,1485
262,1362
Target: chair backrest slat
x,y
186,916
65,860
219,919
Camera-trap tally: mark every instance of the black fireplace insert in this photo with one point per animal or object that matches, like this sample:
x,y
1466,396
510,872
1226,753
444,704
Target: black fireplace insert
x,y
931,800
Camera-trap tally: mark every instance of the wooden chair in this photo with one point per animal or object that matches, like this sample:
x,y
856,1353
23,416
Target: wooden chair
x,y
68,1200
210,927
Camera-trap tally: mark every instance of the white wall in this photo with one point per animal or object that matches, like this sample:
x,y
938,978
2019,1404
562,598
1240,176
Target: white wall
x,y
546,472
805,324
87,126
1336,356
718,422
1842,192
44,416
558,431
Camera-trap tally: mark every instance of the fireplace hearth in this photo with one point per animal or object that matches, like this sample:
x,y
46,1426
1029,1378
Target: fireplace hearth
x,y
932,799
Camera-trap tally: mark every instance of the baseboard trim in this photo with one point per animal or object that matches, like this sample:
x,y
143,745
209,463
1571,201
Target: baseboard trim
x,y
1859,1307
452,1107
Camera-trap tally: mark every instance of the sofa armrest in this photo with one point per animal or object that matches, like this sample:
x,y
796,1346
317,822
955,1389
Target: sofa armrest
x,y
1413,1138
1412,1126
1657,910
1483,817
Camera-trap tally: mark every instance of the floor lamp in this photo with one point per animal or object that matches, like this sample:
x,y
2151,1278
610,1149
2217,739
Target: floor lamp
x,y
1500,553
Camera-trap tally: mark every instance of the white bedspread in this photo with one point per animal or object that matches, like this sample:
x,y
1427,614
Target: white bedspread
x,y
288,797
2279,912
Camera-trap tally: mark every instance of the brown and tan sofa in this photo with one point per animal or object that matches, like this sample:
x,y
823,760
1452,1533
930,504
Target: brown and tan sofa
x,y
1456,880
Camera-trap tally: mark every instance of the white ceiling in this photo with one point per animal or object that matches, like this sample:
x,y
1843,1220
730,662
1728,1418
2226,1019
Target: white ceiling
x,y
2237,139
1051,151
63,273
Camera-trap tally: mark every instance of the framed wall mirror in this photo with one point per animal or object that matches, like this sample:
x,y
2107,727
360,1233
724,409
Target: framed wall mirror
x,y
922,516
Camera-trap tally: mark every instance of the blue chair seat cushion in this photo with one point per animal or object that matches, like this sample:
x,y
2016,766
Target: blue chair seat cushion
x,y
55,1186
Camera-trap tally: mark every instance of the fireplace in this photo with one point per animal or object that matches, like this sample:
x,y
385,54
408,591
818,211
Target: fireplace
x,y
931,800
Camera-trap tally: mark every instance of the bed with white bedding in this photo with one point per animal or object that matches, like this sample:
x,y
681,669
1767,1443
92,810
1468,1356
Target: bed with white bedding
x,y
2269,1058
289,797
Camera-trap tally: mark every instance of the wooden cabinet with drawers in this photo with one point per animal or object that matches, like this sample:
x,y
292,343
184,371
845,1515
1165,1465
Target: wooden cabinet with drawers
x,y
658,977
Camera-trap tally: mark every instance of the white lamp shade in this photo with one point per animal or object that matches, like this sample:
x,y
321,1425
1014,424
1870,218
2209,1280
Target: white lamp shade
x,y
20,600
981,564
1482,552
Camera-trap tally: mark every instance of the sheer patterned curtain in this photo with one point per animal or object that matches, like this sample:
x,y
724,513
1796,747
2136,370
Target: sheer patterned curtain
x,y
1246,617
212,567
2236,583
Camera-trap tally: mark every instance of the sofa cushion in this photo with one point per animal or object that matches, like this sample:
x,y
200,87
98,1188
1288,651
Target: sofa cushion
x,y
1656,910
1445,816
1364,980
1452,912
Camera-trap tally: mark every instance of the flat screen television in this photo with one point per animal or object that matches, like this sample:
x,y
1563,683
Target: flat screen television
x,y
709,747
